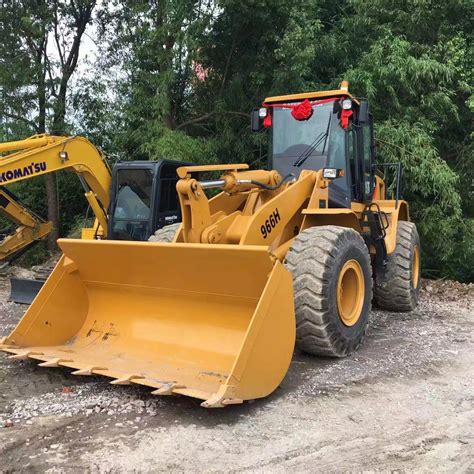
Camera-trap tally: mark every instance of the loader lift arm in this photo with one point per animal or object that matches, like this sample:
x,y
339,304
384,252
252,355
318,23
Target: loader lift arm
x,y
43,154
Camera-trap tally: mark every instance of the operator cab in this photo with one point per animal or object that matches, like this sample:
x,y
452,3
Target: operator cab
x,y
322,130
143,198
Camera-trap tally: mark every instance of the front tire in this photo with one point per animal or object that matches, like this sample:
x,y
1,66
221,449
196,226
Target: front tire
x,y
165,234
332,281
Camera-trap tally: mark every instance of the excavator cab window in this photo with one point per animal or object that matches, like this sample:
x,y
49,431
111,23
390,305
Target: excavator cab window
x,y
339,193
353,165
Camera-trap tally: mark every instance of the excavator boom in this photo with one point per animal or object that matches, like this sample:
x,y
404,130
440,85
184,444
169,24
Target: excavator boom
x,y
43,154
35,156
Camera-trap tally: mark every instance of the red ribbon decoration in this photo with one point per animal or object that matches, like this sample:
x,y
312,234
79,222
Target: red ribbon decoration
x,y
345,115
267,121
302,111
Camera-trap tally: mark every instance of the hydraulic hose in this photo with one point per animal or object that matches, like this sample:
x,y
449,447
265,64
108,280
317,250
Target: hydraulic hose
x,y
272,188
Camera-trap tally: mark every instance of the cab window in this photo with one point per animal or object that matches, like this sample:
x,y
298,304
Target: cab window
x,y
367,159
337,153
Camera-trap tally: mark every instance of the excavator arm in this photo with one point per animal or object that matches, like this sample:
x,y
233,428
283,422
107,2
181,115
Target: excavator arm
x,y
43,154
30,227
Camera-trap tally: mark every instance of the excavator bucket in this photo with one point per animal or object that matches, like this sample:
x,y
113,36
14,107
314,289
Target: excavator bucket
x,y
24,290
214,322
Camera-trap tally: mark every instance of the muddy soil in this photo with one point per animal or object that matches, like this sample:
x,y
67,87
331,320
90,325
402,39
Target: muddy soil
x,y
403,402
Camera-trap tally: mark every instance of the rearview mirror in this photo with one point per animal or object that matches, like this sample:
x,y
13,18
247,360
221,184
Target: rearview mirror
x,y
363,114
256,122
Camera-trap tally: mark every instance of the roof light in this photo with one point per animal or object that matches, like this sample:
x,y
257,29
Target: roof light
x,y
347,104
344,86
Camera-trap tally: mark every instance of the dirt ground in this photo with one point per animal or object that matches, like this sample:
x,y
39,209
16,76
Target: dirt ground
x,y
404,402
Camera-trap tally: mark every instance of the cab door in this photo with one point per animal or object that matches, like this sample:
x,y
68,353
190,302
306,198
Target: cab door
x,y
167,208
339,192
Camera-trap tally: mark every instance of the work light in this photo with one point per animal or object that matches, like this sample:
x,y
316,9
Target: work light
x,y
347,104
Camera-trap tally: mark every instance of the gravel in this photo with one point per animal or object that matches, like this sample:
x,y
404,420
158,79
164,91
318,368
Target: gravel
x,y
402,402
88,399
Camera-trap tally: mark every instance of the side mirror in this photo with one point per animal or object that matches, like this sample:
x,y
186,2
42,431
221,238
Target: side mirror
x,y
363,115
256,123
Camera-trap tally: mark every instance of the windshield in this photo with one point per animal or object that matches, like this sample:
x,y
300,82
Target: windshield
x,y
302,142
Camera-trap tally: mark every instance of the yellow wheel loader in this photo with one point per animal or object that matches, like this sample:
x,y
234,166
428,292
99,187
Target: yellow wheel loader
x,y
213,309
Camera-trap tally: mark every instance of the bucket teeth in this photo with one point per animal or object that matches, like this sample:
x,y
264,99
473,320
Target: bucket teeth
x,y
88,370
126,380
232,401
217,402
24,355
53,362
223,397
167,389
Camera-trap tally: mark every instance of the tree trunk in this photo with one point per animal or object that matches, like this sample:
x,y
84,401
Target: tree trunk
x,y
82,17
51,191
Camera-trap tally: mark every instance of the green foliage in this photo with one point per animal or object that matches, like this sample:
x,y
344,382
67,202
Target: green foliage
x,y
176,145
178,78
36,255
430,187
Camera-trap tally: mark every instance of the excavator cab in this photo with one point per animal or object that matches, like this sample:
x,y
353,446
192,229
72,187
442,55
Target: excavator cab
x,y
143,198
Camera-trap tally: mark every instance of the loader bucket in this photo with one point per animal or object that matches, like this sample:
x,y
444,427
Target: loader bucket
x,y
214,322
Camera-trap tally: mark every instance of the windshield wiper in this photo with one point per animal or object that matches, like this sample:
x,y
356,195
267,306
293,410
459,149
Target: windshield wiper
x,y
307,153
327,133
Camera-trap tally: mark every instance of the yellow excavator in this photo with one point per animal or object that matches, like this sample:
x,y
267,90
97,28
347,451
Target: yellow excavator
x,y
212,308
130,202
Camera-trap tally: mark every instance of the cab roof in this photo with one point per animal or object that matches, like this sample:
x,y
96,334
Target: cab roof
x,y
343,91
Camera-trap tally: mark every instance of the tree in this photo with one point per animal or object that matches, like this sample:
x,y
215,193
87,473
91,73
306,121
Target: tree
x,y
178,78
46,38
155,44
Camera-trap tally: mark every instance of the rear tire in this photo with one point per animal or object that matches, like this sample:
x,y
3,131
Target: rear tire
x,y
399,288
324,261
165,234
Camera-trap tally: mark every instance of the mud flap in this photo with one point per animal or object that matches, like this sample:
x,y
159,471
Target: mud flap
x,y
214,322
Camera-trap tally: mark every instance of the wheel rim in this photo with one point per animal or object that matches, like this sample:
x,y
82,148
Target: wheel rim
x,y
416,267
350,292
